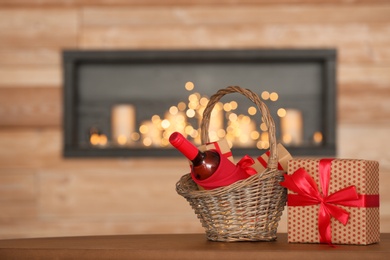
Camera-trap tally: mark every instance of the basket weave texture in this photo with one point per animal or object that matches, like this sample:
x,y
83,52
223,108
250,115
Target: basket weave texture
x,y
247,210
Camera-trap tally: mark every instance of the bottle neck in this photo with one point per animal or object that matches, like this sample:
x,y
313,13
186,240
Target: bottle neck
x,y
199,158
184,146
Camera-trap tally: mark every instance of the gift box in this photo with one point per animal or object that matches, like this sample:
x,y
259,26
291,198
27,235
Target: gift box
x,y
261,162
334,201
221,146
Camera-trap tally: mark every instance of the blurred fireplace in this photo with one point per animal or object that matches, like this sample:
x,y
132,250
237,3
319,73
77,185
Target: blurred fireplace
x,y
117,102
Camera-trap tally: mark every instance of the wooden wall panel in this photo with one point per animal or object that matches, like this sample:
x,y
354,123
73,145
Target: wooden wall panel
x,y
46,195
365,142
86,191
38,27
37,76
230,15
43,194
352,49
17,184
118,196
35,148
378,76
33,107
176,2
143,27
14,211
23,57
367,103
18,194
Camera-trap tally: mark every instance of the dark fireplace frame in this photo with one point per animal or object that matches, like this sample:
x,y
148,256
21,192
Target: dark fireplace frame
x,y
73,59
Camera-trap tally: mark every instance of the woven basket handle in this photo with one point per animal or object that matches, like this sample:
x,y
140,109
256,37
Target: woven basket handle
x,y
266,116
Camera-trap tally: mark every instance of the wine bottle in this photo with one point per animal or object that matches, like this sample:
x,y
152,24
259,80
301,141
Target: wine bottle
x,y
204,164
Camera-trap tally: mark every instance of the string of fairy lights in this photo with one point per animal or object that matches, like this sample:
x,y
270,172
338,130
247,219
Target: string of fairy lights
x,y
239,129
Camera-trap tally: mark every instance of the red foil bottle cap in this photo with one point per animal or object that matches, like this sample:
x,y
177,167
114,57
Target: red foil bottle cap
x,y
183,145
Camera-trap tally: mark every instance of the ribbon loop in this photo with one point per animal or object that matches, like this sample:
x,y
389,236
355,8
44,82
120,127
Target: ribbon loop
x,y
245,163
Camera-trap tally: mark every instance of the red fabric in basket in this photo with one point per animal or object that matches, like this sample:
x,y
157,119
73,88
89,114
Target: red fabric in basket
x,y
227,173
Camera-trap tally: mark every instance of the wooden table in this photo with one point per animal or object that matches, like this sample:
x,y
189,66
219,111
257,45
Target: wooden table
x,y
182,246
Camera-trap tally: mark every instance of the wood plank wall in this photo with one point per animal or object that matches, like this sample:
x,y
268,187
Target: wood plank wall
x,y
42,194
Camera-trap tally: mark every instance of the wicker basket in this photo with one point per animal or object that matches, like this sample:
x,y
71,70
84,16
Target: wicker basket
x,y
247,210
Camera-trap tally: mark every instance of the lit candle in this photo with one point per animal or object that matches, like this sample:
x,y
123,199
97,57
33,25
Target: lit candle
x,y
291,125
122,123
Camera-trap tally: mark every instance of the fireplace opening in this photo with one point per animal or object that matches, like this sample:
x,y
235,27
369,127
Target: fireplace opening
x,y
126,103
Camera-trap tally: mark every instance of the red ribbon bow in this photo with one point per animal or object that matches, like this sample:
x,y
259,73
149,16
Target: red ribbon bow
x,y
308,194
245,163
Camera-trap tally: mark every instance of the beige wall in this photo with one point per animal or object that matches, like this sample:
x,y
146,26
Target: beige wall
x,y
42,194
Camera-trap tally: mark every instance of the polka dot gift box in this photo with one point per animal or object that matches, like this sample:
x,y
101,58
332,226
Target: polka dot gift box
x,y
333,201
